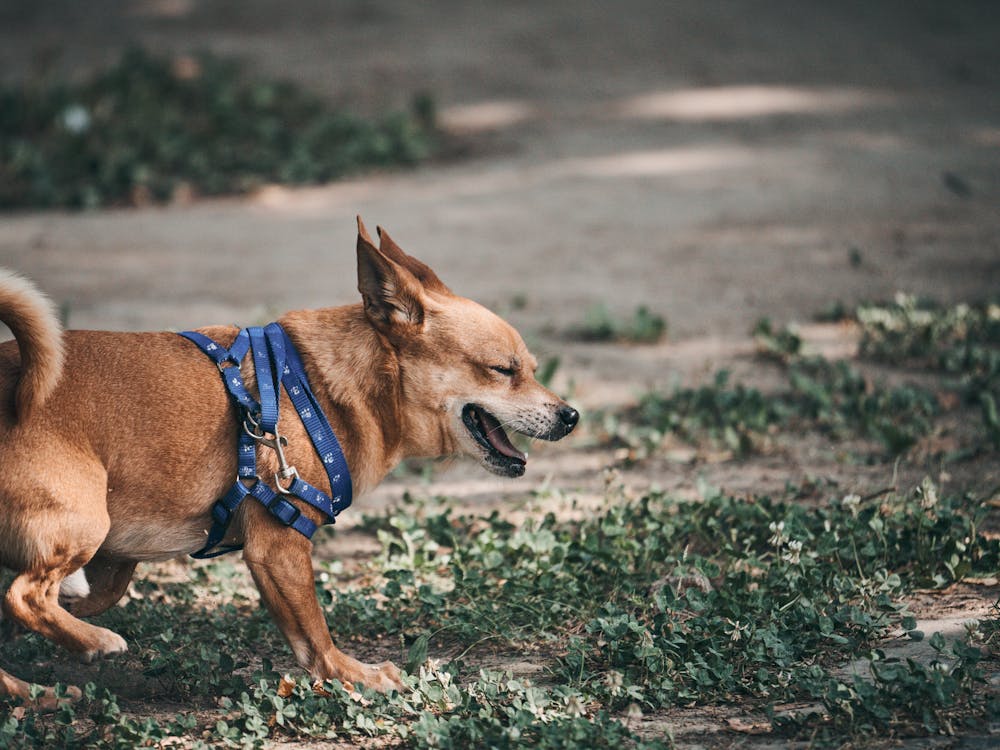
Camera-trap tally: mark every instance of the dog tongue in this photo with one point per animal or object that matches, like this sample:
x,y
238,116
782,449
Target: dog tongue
x,y
498,438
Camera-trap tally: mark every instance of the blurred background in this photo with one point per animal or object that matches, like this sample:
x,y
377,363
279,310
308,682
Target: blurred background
x,y
658,174
715,161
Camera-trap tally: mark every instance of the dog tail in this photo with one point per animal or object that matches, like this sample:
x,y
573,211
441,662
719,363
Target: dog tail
x,y
34,321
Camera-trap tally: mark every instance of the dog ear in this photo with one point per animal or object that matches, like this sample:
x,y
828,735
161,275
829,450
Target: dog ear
x,y
421,271
363,231
391,294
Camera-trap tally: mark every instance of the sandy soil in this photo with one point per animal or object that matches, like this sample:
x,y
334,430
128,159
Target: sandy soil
x,y
717,162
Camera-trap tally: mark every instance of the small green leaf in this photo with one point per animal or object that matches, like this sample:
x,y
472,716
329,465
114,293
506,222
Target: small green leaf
x,y
417,654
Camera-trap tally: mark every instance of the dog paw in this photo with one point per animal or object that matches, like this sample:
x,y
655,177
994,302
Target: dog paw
x,y
107,643
382,677
389,677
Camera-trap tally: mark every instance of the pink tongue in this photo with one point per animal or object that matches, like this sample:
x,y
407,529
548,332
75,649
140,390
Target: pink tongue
x,y
498,438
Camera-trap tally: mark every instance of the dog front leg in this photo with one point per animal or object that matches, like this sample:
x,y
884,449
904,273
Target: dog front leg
x,y
281,566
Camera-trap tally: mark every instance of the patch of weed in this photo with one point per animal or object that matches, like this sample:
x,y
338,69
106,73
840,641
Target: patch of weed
x,y
831,397
901,698
962,341
781,344
835,397
599,325
150,129
788,586
736,416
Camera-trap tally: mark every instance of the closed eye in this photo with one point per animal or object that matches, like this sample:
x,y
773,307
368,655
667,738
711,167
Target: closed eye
x,y
507,372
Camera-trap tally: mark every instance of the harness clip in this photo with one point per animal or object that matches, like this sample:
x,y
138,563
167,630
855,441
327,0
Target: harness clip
x,y
277,443
289,472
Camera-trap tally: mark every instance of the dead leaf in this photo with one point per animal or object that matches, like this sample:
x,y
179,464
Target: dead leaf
x,y
317,687
286,686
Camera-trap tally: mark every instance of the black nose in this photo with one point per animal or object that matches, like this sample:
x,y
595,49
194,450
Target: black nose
x,y
569,417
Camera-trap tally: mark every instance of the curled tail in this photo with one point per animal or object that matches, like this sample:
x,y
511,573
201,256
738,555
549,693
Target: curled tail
x,y
33,320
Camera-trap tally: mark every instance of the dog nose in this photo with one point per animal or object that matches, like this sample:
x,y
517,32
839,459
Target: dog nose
x,y
569,417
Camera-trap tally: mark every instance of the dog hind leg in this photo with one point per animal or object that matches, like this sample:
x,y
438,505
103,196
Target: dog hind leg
x,y
106,582
58,529
33,601
23,609
11,687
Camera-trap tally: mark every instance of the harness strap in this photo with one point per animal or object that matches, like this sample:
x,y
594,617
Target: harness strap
x,y
284,511
317,426
275,361
228,361
222,513
265,380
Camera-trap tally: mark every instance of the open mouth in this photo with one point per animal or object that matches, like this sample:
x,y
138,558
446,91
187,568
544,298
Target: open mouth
x,y
501,454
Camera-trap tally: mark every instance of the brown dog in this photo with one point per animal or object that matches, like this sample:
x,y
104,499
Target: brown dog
x,y
114,446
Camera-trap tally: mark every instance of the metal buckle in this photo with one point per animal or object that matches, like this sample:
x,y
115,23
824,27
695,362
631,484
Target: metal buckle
x,y
223,365
251,426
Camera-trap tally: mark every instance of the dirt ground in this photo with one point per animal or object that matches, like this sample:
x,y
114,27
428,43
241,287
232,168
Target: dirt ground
x,y
717,162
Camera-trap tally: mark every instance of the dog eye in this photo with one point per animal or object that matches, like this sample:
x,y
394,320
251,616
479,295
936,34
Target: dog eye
x,y
507,372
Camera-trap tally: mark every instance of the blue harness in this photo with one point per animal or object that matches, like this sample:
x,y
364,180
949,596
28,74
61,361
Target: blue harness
x,y
276,361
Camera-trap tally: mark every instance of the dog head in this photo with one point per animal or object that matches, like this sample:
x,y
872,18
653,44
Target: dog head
x,y
466,375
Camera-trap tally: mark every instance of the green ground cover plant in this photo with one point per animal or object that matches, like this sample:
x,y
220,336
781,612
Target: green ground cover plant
x,y
599,325
152,129
634,607
831,397
961,344
960,341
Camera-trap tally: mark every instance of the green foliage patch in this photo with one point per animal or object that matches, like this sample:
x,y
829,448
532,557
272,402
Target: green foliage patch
x,y
962,341
831,397
600,325
149,129
636,606
961,344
